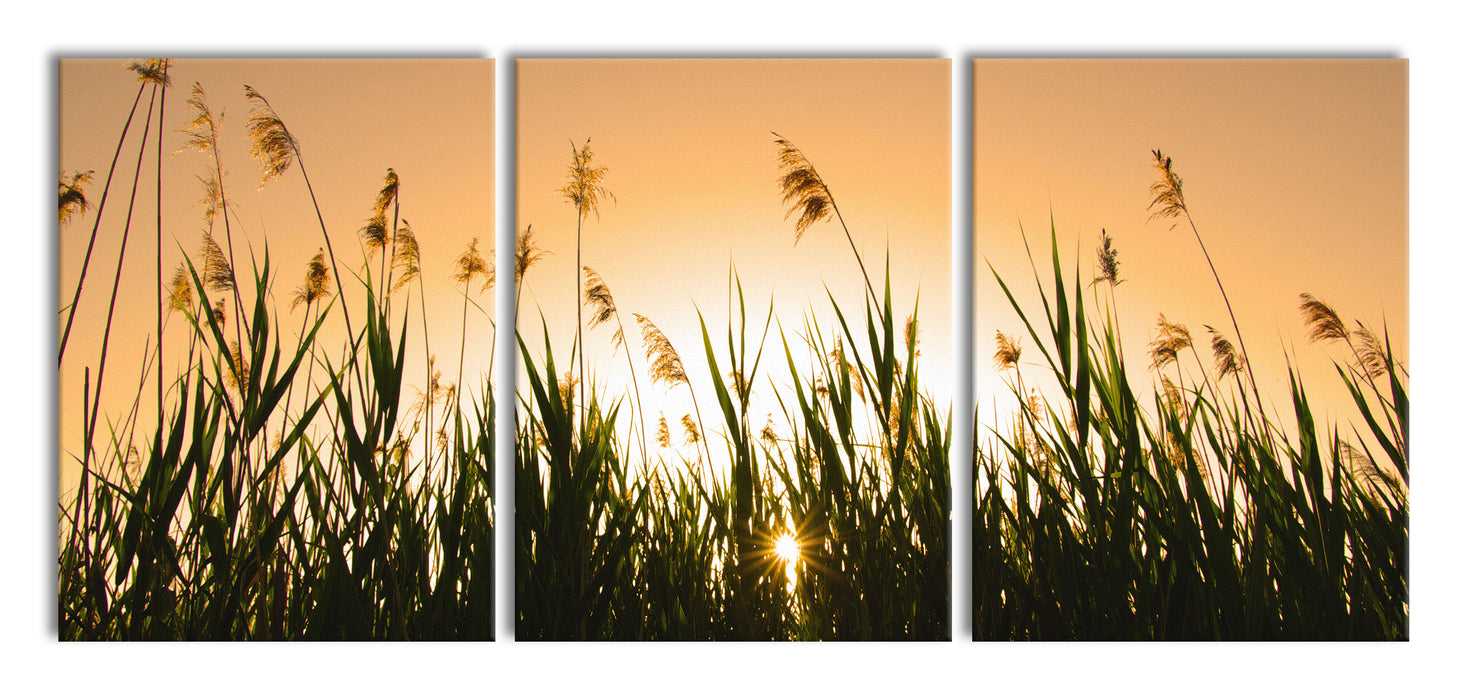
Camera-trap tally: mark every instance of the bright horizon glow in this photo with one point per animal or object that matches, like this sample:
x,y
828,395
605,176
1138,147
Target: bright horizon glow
x,y
432,121
691,167
1295,172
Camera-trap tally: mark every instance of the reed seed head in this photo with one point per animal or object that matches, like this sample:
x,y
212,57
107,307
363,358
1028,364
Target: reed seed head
x,y
388,195
1108,262
599,298
690,430
1322,322
374,234
271,144
152,70
218,276
1171,339
315,285
1006,352
583,188
1226,360
407,258
1372,356
1367,469
801,187
202,129
71,195
837,358
567,389
739,385
237,376
180,291
471,264
526,253
664,439
1167,191
665,364
1172,393
437,390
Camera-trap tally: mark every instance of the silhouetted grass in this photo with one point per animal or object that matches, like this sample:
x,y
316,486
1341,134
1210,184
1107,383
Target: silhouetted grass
x,y
672,547
1106,515
279,496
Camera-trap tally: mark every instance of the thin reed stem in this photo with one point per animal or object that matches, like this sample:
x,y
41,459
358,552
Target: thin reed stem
x,y
97,223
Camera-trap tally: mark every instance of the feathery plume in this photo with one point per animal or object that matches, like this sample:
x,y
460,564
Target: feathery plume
x,y
1367,469
374,233
239,375
71,195
738,384
802,185
690,430
1108,261
1322,321
314,286
666,365
219,312
436,392
1171,339
1173,394
1373,362
471,264
213,197
768,432
567,388
152,70
202,135
202,129
271,144
526,252
407,258
218,276
910,333
603,307
180,291
1006,353
388,194
1226,360
837,358
583,188
664,439
1167,192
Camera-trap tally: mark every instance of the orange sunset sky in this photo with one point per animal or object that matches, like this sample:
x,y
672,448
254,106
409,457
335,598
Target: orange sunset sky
x,y
691,162
1295,172
430,120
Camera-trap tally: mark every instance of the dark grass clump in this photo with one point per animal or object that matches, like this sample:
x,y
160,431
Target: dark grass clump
x,y
1106,515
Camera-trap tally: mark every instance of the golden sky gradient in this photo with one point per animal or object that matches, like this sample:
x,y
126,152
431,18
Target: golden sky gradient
x,y
430,120
691,162
1295,172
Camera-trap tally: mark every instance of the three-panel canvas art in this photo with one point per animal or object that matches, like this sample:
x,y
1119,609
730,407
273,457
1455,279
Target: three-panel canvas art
x,y
1146,379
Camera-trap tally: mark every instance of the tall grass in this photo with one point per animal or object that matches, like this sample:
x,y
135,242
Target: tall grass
x,y
1106,515
613,545
334,526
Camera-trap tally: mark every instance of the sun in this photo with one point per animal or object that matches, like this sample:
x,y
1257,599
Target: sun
x,y
787,548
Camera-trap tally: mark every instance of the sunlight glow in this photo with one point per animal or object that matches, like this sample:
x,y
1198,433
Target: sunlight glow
x,y
787,548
